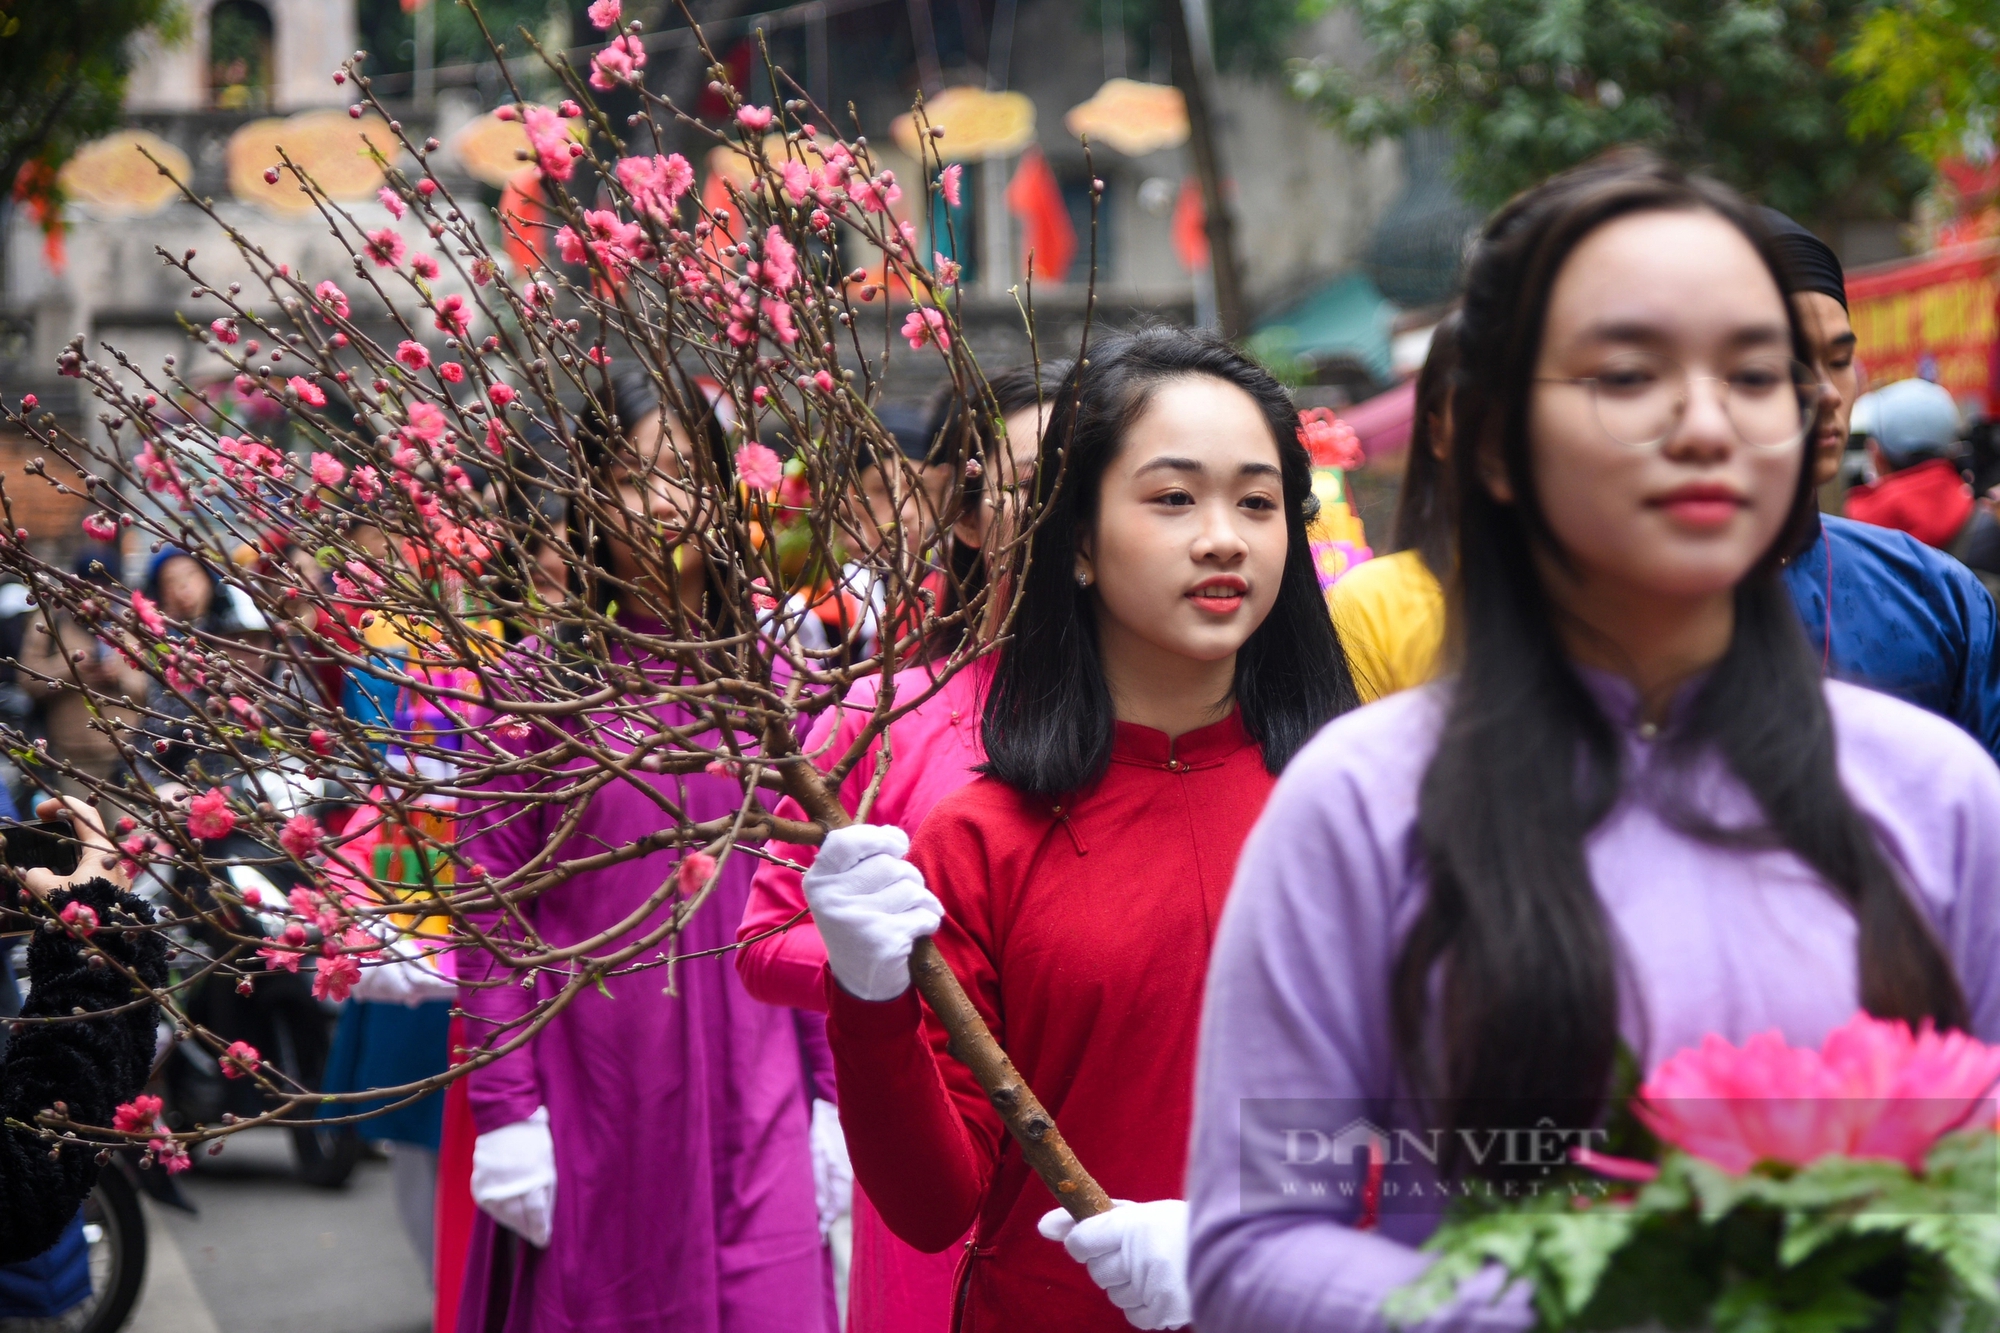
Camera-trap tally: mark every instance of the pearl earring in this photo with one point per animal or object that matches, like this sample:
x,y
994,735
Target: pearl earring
x,y
1082,579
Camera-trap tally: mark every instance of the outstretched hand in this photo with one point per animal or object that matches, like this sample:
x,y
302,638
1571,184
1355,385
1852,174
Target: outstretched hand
x,y
98,859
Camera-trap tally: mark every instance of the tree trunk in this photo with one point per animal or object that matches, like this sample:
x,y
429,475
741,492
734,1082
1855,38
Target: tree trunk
x,y
972,1043
1193,76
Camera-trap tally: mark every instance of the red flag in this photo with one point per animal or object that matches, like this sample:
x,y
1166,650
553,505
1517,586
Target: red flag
x,y
522,233
1034,197
720,213
1190,227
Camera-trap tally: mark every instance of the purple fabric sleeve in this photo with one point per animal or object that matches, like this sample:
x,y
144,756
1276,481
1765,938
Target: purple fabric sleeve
x,y
501,835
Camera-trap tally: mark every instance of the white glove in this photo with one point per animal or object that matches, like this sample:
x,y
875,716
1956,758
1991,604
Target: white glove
x,y
833,1173
408,974
1137,1252
514,1177
870,906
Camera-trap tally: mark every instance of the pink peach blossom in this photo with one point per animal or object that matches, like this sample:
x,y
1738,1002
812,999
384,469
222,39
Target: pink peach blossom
x,y
951,181
754,117
926,324
618,63
209,815
327,470
604,14
309,393
100,527
424,267
413,354
393,202
148,614
452,316
758,467
386,247
656,184
696,869
333,298
550,140
300,836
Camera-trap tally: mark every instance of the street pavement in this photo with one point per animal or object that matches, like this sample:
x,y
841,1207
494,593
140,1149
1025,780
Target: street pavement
x,y
270,1253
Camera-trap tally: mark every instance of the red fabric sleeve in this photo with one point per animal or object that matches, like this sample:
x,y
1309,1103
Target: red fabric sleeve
x,y
923,1138
785,968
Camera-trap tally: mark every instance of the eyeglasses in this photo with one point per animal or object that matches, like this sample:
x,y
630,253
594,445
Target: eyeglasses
x,y
1639,398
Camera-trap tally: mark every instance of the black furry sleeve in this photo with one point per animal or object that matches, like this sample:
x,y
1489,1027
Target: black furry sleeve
x,y
91,1067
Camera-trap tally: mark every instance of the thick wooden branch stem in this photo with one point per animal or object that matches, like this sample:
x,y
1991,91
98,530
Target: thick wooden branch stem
x,y
1030,1123
972,1043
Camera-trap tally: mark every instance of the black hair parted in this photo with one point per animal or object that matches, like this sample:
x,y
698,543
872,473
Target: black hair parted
x,y
1423,508
1048,721
1506,993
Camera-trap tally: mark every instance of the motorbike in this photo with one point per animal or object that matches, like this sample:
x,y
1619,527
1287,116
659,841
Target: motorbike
x,y
276,1012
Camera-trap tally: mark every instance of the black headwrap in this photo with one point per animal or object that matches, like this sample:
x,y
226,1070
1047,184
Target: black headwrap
x,y
1811,262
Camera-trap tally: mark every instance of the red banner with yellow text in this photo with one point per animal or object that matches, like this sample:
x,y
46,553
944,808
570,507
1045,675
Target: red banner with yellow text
x,y
1932,316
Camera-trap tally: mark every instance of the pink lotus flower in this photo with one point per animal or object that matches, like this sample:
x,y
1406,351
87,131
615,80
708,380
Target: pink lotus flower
x,y
656,184
209,815
413,354
332,297
148,614
951,180
759,468
754,117
386,248
1874,1089
604,14
100,527
393,202
240,1059
300,837
327,470
926,325
550,140
309,393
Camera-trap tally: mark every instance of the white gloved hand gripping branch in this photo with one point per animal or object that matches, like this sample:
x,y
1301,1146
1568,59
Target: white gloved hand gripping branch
x,y
1137,1253
870,906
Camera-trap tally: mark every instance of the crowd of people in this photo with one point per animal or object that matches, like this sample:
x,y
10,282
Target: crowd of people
x,y
1625,743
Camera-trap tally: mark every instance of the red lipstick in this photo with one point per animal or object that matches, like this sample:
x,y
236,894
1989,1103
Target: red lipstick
x,y
1220,594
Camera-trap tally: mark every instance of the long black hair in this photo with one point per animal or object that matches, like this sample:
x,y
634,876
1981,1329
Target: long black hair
x,y
972,428
1049,721
1527,1013
1423,509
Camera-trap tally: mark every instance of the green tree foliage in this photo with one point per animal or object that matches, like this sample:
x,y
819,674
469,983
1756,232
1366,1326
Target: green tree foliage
x,y
1250,35
388,33
1931,70
63,65
1743,88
